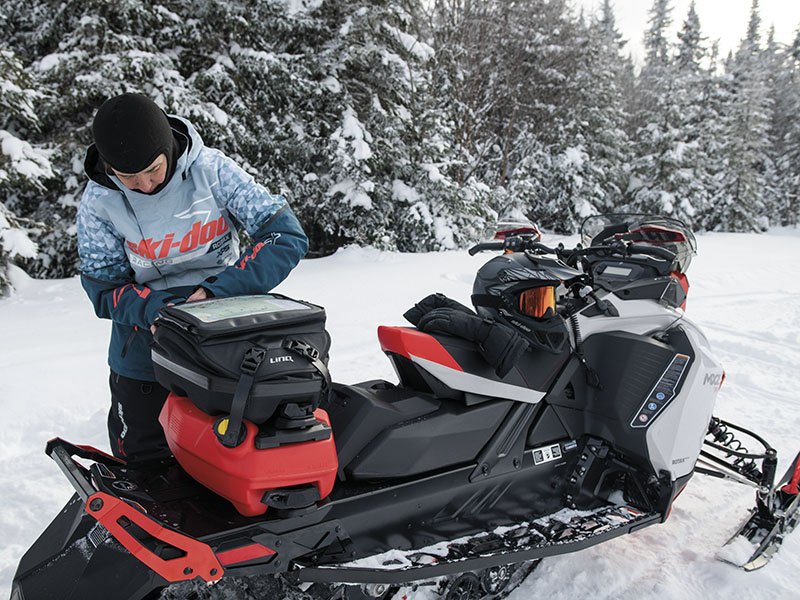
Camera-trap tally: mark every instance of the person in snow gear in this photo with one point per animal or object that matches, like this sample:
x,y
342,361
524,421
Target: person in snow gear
x,y
157,225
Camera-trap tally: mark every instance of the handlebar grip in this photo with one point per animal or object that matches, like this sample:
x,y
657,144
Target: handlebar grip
x,y
540,246
486,246
652,251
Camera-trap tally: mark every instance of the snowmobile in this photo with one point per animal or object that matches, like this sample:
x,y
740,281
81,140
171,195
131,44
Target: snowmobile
x,y
570,406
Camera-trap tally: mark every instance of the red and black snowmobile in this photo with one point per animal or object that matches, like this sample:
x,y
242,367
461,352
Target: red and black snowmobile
x,y
568,408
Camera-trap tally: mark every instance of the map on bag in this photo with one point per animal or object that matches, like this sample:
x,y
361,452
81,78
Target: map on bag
x,y
218,309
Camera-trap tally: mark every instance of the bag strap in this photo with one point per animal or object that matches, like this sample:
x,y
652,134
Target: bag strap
x,y
250,363
308,351
487,300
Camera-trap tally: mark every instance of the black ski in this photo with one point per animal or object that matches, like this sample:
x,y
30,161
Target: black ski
x,y
763,532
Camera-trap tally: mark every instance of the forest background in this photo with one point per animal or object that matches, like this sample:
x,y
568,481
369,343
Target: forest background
x,y
408,125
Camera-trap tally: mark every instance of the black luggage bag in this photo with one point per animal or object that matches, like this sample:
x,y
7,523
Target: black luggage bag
x,y
268,351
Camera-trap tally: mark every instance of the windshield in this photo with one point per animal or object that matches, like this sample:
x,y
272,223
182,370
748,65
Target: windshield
x,y
666,232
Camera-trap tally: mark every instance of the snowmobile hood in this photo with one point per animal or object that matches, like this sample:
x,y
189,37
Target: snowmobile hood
x,y
189,146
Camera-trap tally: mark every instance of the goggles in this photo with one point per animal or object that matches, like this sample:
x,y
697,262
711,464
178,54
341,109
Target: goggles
x,y
535,302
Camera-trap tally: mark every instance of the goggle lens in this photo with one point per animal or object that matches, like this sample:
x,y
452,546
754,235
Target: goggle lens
x,y
535,302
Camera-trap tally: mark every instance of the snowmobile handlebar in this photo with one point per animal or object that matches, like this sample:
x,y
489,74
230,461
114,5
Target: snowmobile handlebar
x,y
520,244
486,246
623,249
513,243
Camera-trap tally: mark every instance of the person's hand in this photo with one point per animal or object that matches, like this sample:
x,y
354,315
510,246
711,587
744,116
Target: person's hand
x,y
198,294
153,326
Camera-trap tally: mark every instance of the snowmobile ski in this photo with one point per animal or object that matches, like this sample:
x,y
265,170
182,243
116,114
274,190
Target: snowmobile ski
x,y
773,518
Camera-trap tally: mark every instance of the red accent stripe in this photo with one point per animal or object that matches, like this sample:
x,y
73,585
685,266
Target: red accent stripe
x,y
142,292
245,553
410,342
198,559
791,487
118,294
100,452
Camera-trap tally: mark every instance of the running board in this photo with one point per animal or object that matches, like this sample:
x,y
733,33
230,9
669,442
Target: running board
x,y
561,533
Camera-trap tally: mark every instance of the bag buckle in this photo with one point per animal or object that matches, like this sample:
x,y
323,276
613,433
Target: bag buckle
x,y
302,348
252,360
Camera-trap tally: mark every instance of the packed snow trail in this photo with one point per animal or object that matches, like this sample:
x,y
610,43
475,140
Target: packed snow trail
x,y
745,294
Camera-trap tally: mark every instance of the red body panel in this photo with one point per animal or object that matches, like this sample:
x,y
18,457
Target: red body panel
x,y
243,554
684,282
242,474
198,559
407,342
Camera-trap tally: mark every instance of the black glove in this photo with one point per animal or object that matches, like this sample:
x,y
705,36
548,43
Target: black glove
x,y
500,346
432,302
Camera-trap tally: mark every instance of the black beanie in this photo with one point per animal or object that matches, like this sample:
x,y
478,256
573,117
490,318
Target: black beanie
x,y
130,131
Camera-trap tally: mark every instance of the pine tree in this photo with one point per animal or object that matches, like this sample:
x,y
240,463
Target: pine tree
x,y
786,128
746,193
657,172
24,168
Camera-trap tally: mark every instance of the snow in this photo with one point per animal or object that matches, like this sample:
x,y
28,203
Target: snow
x,y
259,55
294,7
51,60
745,294
575,157
419,49
331,84
353,130
16,242
434,174
738,552
25,160
344,30
354,194
402,192
444,233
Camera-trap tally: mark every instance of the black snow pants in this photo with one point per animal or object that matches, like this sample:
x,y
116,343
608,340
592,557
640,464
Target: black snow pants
x,y
133,427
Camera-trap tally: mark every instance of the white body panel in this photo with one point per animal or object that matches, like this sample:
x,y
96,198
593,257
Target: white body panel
x,y
675,437
467,382
635,316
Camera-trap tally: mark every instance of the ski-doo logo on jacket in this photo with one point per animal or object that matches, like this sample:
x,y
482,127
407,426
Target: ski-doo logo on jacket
x,y
199,234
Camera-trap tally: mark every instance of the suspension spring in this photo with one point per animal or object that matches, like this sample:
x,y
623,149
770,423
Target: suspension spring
x,y
728,441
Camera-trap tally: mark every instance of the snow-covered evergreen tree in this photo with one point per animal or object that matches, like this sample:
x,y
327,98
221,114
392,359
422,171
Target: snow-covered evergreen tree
x,y
783,65
745,197
789,157
24,168
657,173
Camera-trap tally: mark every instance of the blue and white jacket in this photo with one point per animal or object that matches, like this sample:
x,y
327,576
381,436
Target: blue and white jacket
x,y
139,252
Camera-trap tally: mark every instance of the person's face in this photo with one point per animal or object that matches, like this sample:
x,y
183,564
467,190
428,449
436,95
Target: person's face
x,y
148,179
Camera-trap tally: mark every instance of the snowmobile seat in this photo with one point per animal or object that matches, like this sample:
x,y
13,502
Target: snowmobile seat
x,y
453,367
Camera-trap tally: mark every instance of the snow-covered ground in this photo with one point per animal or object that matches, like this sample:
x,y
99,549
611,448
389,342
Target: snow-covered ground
x,y
745,293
